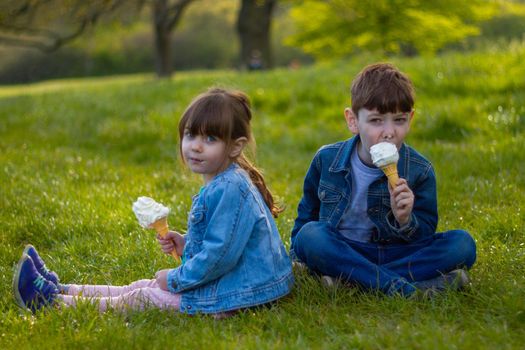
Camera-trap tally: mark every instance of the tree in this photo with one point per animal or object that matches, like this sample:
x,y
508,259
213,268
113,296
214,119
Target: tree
x,y
47,25
166,15
335,28
253,27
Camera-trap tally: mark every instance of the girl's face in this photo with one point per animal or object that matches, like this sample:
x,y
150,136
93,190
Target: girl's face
x,y
206,155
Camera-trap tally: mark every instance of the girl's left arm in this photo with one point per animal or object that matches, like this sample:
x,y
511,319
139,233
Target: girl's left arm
x,y
229,225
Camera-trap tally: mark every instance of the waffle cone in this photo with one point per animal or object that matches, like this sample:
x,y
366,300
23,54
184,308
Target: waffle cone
x,y
161,226
390,171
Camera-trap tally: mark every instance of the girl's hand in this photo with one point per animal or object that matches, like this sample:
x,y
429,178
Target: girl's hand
x,y
162,279
172,240
401,201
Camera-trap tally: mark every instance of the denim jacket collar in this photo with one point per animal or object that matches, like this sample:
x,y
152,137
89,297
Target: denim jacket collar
x,y
230,167
342,159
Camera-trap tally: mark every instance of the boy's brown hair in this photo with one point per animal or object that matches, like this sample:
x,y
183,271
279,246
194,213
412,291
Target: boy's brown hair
x,y
383,87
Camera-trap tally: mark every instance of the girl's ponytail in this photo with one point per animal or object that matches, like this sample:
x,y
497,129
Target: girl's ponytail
x,y
258,181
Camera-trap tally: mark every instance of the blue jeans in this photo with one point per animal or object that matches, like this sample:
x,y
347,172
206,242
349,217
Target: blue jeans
x,y
390,268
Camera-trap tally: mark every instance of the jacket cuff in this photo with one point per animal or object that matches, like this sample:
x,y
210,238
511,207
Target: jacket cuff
x,y
405,232
172,280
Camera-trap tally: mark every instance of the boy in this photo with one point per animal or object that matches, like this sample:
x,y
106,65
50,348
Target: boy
x,y
352,225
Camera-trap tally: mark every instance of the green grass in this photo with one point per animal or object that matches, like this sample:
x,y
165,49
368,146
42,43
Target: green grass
x,y
75,155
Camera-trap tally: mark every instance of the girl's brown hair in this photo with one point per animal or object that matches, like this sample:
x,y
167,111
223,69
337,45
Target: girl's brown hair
x,y
226,115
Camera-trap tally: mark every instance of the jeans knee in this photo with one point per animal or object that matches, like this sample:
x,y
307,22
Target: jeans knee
x,y
308,238
465,246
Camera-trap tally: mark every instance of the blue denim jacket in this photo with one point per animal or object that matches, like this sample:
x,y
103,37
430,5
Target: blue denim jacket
x,y
328,185
233,257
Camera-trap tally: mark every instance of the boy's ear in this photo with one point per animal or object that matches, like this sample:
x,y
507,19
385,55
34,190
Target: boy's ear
x,y
351,121
411,117
237,146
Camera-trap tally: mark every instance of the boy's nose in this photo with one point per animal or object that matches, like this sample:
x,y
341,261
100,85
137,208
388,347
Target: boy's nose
x,y
388,131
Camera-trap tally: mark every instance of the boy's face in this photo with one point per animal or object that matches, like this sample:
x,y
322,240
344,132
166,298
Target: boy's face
x,y
374,127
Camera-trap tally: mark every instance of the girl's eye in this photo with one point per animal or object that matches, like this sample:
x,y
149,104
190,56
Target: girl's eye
x,y
187,134
211,138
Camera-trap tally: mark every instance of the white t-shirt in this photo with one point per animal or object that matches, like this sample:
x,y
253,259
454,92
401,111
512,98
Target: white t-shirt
x,y
355,223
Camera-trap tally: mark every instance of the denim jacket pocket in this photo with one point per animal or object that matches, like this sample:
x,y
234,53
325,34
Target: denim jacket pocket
x,y
196,216
329,199
386,203
196,229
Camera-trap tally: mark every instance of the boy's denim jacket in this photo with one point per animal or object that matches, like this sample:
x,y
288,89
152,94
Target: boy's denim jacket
x,y
328,186
233,257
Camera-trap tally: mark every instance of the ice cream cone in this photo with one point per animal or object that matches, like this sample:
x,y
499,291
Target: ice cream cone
x,y
390,171
161,226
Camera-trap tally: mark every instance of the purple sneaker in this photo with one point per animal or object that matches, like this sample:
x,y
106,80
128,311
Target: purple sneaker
x,y
32,291
40,265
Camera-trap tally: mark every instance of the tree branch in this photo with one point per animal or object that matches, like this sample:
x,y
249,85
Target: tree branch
x,y
23,43
176,10
48,40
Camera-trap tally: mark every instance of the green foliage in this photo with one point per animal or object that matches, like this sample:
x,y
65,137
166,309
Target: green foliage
x,y
340,27
75,154
206,38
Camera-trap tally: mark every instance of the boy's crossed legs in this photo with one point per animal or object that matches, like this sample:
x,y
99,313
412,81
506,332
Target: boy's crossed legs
x,y
389,268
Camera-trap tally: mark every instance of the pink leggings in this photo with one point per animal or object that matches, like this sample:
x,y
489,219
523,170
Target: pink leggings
x,y
136,296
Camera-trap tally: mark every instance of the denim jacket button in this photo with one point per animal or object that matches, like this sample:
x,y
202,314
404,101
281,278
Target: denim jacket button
x,y
189,307
322,195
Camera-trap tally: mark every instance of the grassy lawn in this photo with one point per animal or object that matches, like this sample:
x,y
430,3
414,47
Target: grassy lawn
x,y
75,154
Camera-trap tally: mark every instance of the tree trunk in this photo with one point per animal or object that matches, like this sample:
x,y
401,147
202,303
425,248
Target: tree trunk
x,y
162,32
253,27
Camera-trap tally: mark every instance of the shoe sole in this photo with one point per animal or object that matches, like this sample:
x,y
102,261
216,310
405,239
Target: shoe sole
x,y
328,281
26,249
16,279
461,280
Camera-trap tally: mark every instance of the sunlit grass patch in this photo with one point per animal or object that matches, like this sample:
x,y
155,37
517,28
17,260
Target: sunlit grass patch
x,y
76,154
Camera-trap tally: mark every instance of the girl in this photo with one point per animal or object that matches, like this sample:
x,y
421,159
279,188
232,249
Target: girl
x,y
233,257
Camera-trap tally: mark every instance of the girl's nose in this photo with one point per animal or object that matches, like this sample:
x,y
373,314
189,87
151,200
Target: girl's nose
x,y
196,146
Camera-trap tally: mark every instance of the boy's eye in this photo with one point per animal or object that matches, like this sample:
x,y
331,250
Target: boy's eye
x,y
401,118
376,120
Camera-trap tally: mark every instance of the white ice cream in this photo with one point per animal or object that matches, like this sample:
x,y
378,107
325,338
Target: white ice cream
x,y
384,153
148,211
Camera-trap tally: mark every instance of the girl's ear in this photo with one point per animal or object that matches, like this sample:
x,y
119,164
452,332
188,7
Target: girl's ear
x,y
237,147
351,121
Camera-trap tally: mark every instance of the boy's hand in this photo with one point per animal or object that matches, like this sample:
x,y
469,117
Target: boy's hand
x,y
162,279
401,201
172,240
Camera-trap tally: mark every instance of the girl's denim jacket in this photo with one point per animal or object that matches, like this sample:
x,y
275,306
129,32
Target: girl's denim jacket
x,y
234,257
328,187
